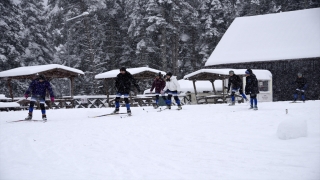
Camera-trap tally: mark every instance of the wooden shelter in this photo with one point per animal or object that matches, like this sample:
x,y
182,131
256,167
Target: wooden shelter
x,y
138,73
50,71
284,43
223,74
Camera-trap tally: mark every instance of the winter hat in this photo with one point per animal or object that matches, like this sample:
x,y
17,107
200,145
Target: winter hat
x,y
169,74
159,74
231,72
41,76
123,69
248,71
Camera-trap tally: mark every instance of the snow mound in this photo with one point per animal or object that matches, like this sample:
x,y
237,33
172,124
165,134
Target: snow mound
x,y
292,129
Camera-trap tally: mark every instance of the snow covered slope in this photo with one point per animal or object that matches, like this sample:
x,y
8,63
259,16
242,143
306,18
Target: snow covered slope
x,y
198,142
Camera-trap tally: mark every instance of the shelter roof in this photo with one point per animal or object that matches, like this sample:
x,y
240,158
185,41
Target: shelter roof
x,y
49,70
138,73
215,74
279,36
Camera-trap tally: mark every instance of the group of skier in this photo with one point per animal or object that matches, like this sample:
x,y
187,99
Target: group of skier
x,y
251,88
169,84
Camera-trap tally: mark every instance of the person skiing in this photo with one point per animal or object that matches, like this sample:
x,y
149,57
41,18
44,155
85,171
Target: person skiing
x,y
172,87
123,84
252,88
236,83
301,85
158,84
38,89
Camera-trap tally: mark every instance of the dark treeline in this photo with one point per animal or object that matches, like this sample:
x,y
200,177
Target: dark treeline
x,y
169,35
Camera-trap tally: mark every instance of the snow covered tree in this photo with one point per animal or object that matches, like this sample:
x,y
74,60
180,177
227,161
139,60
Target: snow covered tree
x,y
36,39
11,26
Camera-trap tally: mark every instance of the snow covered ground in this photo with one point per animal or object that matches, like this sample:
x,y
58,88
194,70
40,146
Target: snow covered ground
x,y
200,142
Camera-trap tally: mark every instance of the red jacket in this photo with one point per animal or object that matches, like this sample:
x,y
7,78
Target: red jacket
x,y
158,84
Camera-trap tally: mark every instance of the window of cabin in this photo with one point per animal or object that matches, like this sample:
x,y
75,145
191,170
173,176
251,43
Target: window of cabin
x,y
263,85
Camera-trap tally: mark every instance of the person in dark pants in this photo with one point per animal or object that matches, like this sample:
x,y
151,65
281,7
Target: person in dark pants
x,y
158,84
38,88
301,85
123,84
252,88
236,83
172,87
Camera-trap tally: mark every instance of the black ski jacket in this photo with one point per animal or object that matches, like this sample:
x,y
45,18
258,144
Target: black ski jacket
x,y
252,84
124,81
236,82
301,83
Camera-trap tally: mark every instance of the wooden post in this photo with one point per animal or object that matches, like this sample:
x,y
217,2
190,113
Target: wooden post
x,y
107,91
224,98
195,90
214,89
72,84
71,91
10,89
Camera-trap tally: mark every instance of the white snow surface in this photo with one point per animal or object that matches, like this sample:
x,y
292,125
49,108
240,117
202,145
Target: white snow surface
x,y
280,36
115,72
260,74
198,142
27,70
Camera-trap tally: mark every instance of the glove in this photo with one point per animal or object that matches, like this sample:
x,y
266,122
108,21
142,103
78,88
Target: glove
x,y
247,92
26,96
52,99
240,91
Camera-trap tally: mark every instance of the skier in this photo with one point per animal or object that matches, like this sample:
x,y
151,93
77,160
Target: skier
x,y
38,89
252,88
123,84
172,87
236,83
301,83
158,84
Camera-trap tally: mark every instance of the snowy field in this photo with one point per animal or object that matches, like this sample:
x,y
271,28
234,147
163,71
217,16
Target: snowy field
x,y
198,143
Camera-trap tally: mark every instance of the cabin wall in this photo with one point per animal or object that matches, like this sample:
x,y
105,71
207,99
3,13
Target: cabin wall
x,y
284,73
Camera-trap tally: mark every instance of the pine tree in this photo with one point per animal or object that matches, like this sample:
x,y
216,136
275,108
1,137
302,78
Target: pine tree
x,y
36,39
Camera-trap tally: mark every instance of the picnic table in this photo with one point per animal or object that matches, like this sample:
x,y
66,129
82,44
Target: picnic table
x,y
217,98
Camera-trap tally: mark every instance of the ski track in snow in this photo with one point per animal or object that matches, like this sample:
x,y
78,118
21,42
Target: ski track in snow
x,y
198,142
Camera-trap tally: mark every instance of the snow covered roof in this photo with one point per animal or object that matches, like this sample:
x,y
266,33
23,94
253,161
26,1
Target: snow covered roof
x,y
139,73
287,35
29,71
224,73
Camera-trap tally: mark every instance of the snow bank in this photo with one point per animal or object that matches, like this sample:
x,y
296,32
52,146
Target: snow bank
x,y
292,128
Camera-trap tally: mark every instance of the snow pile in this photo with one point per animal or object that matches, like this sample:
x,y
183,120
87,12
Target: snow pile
x,y
292,128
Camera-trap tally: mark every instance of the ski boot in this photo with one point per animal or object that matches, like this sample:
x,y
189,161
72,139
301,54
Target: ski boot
x,y
129,112
156,106
116,111
251,107
255,107
168,107
29,117
44,117
179,107
232,103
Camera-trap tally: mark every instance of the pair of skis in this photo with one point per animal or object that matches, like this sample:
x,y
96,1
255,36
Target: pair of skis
x,y
110,114
27,121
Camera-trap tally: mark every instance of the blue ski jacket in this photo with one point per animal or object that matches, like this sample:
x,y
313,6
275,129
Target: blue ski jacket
x,y
38,88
